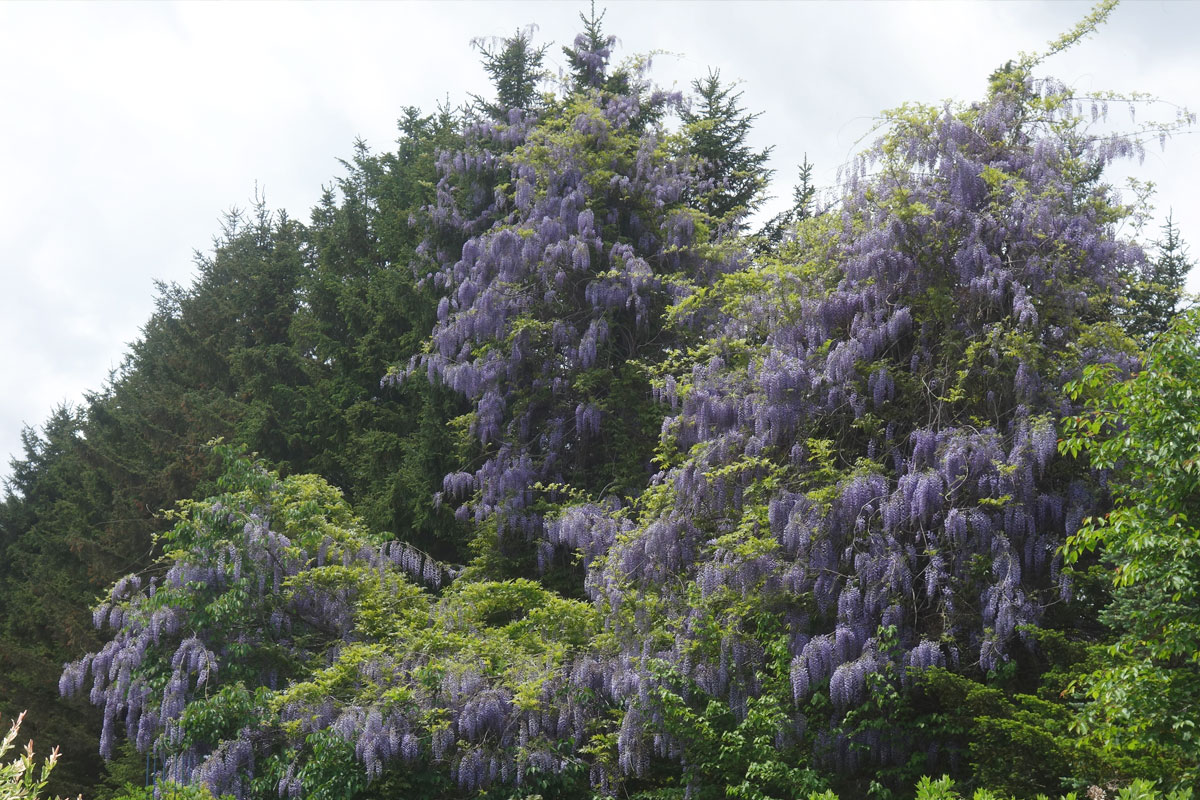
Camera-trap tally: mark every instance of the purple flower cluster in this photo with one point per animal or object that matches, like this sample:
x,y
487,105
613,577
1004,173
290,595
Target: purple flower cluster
x,y
239,604
481,733
558,276
934,367
867,458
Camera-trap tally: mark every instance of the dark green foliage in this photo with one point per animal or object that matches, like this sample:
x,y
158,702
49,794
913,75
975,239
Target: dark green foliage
x,y
125,774
1153,298
733,175
945,788
55,558
756,755
387,447
773,232
1015,743
515,67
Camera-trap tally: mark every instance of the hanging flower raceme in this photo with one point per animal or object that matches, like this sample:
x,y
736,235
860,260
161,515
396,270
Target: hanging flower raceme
x,y
557,293
257,587
875,467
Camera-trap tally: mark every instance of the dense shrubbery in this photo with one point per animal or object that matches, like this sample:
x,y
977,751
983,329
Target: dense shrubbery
x,y
645,503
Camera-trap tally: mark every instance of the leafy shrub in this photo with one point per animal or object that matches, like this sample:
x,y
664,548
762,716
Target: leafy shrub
x,y
22,778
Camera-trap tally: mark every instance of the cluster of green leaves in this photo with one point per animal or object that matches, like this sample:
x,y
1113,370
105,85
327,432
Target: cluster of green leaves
x,y
514,631
164,790
1015,743
755,755
21,777
1146,431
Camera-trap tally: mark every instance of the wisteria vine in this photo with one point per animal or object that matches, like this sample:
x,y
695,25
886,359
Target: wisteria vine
x,y
859,475
558,293
872,451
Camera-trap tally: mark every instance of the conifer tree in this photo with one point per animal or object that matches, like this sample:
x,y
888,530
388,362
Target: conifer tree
x,y
732,175
590,53
1154,296
556,303
54,558
515,67
775,230
386,447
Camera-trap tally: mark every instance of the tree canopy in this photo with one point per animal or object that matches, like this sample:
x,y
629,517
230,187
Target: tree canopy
x,y
526,467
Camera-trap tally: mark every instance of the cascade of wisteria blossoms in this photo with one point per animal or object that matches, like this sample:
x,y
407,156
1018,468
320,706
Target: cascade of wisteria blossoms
x,y
870,456
793,477
574,239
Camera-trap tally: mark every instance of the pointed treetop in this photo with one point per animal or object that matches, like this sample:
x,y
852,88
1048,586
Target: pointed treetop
x,y
718,127
515,67
589,54
1154,298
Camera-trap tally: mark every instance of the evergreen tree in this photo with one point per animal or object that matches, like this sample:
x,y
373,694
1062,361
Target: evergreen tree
x,y
387,447
775,230
1153,297
556,306
732,175
82,507
589,59
515,67
55,557
589,54
279,344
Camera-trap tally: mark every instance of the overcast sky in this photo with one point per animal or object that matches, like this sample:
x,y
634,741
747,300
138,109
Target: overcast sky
x,y
129,128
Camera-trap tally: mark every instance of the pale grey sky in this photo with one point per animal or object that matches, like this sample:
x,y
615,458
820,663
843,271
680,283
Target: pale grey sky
x,y
130,127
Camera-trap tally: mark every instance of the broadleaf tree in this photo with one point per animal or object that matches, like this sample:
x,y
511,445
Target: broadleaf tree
x,y
1146,430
